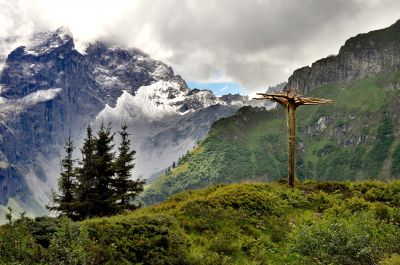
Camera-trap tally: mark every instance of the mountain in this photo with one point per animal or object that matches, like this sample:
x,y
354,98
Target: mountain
x,y
49,90
355,138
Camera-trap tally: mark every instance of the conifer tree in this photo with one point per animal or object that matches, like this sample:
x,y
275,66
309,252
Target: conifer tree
x,y
64,202
104,172
101,185
126,189
87,177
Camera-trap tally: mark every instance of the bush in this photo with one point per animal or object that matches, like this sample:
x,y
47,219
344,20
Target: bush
x,y
320,201
382,212
225,243
361,239
70,245
43,228
17,246
392,260
145,240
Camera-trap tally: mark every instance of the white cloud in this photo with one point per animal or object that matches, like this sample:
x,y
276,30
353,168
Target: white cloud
x,y
255,42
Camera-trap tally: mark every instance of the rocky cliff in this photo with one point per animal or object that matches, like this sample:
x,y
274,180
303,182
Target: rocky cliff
x,y
361,56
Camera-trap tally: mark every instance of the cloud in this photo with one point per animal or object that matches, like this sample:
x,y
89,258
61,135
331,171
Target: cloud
x,y
257,43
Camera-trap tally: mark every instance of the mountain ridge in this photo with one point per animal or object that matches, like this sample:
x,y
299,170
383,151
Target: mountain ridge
x,y
361,56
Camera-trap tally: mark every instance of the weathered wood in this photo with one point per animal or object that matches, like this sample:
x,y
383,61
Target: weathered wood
x,y
290,100
291,122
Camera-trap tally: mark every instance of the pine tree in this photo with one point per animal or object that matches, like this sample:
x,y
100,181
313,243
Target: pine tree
x,y
87,177
126,189
104,172
101,185
64,202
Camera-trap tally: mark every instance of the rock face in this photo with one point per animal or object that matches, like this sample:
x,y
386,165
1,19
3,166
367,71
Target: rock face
x,y
49,90
361,56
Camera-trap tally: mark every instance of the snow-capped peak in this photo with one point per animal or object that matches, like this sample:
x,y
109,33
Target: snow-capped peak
x,y
153,101
45,42
161,99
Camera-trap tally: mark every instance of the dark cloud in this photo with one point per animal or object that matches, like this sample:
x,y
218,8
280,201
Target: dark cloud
x,y
257,43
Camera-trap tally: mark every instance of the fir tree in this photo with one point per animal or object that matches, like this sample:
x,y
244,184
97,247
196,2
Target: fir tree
x,y
64,202
126,189
104,172
87,177
101,185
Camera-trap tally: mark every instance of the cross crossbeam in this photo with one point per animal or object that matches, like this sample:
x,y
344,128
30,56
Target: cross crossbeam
x,y
290,100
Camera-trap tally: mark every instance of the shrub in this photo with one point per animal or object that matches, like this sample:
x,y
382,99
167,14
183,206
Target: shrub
x,y
357,204
144,240
361,239
392,260
43,228
225,243
70,245
320,201
17,245
382,212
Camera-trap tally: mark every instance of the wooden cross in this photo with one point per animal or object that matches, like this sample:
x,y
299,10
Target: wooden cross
x,y
290,100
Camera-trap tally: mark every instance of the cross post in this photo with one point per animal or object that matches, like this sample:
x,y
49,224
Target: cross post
x,y
290,100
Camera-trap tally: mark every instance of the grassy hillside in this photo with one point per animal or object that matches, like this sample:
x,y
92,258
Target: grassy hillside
x,y
356,138
315,223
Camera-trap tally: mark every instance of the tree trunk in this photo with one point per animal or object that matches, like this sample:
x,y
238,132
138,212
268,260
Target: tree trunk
x,y
291,122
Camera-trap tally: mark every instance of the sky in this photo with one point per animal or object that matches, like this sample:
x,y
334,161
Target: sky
x,y
226,45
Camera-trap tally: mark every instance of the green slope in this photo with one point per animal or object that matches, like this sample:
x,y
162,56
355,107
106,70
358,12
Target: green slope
x,y
315,223
360,141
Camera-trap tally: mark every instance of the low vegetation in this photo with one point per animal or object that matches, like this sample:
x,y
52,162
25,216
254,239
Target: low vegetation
x,y
315,223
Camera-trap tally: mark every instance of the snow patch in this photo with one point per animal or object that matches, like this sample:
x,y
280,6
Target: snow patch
x,y
39,96
11,107
206,98
154,101
160,71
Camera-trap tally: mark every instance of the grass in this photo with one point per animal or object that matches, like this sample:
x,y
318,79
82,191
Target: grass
x,y
179,169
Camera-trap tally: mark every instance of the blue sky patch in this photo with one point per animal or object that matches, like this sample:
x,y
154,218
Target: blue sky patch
x,y
219,88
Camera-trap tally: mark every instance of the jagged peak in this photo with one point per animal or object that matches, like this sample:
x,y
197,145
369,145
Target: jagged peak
x,y
45,42
102,46
373,39
197,90
64,30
